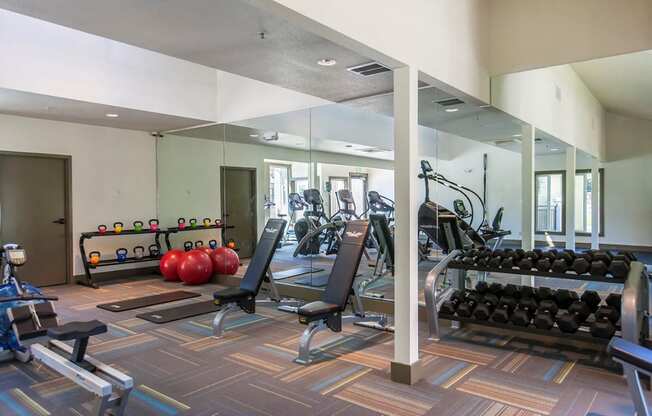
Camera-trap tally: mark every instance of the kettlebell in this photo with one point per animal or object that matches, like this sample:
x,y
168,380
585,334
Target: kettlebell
x,y
193,222
231,244
153,224
187,246
212,244
94,257
199,243
139,252
218,222
117,227
181,223
121,254
102,228
153,251
207,222
138,226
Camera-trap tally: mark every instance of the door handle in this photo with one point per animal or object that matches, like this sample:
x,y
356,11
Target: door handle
x,y
59,221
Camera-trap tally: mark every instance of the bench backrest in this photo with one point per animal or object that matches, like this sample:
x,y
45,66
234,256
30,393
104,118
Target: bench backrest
x,y
345,267
265,249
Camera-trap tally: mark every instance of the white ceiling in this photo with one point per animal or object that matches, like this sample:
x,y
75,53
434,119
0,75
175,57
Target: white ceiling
x,y
223,34
623,84
55,108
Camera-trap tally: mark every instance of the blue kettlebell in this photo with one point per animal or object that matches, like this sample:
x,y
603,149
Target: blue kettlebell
x,y
121,254
212,244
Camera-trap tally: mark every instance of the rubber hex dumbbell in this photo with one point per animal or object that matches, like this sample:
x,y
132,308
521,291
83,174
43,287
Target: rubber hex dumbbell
x,y
546,314
604,325
628,254
467,306
450,306
544,293
614,300
528,261
496,259
483,258
526,309
512,291
600,263
564,298
485,308
526,292
504,310
496,288
620,266
577,313
545,261
470,257
581,265
482,287
562,263
592,299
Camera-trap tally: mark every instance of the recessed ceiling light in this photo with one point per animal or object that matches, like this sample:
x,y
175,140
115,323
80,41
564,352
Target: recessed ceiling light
x,y
112,115
517,135
348,145
452,110
327,62
253,135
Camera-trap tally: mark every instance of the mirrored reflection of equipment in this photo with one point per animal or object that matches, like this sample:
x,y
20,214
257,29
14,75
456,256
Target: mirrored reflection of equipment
x,y
296,204
315,229
27,314
429,213
379,204
346,208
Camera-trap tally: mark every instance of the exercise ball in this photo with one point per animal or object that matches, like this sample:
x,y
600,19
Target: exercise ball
x,y
225,261
195,267
169,264
206,250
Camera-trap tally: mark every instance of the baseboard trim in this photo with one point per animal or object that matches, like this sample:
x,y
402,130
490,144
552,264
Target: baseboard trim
x,y
118,274
406,373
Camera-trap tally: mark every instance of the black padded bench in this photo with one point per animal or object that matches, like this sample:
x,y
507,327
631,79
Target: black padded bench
x,y
80,332
635,359
257,272
327,312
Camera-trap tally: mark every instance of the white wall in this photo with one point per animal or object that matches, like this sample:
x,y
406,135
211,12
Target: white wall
x,y
554,100
44,58
447,40
534,34
113,174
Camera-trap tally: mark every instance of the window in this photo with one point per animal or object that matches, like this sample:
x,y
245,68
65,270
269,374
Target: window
x,y
279,188
550,215
359,191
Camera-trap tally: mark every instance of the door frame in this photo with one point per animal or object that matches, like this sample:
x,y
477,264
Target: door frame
x,y
223,169
67,184
353,175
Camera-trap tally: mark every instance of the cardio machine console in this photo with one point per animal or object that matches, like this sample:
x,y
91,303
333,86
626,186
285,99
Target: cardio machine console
x,y
16,256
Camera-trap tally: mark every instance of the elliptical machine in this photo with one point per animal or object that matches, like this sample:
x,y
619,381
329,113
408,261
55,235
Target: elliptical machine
x,y
379,204
315,228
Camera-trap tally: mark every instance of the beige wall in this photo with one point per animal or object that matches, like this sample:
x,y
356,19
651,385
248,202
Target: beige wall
x,y
528,34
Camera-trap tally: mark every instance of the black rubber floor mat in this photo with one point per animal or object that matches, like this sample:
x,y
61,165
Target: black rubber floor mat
x,y
129,304
286,274
180,312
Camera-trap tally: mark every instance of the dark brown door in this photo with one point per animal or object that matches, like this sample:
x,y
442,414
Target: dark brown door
x,y
33,214
239,207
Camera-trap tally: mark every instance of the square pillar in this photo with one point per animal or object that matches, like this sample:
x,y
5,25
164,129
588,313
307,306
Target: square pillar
x,y
405,367
595,203
527,185
571,168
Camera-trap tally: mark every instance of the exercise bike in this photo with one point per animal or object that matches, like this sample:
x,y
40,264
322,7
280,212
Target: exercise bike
x,y
26,314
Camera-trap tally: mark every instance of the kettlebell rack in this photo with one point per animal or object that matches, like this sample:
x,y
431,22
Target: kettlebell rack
x,y
87,279
172,230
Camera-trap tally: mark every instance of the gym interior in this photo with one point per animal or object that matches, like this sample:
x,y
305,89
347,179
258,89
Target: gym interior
x,y
277,207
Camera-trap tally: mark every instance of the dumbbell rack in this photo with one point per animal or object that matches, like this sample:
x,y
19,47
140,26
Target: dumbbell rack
x,y
634,309
87,279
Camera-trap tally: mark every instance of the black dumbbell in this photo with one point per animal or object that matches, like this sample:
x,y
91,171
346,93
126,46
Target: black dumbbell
x,y
601,262
560,265
485,308
543,264
607,312
483,258
526,309
602,328
628,254
482,287
546,314
581,265
529,260
614,300
496,259
544,293
470,257
592,299
496,288
507,262
526,292
450,306
512,291
577,313
466,307
620,266
505,307
564,298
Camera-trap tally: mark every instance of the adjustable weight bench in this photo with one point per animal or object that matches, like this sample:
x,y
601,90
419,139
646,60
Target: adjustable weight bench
x,y
327,313
244,296
635,360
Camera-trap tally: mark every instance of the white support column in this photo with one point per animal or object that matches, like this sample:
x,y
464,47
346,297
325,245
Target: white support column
x,y
571,167
595,203
527,184
404,368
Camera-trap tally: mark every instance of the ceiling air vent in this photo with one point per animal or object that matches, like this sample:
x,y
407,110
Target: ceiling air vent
x,y
505,142
371,68
449,101
378,149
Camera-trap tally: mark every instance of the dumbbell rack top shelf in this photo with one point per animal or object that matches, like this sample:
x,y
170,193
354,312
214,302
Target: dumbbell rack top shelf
x,y
87,279
522,272
581,335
